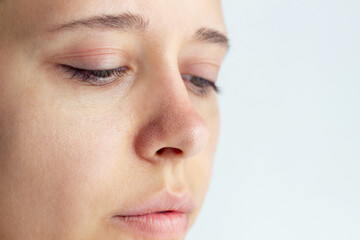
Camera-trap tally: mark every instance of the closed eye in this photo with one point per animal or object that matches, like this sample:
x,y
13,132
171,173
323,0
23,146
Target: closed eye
x,y
96,77
200,85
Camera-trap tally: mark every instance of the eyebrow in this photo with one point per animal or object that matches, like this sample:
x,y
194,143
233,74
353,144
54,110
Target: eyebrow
x,y
211,36
135,22
124,21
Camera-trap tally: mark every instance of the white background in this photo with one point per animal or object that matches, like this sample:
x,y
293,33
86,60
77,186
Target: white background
x,y
287,165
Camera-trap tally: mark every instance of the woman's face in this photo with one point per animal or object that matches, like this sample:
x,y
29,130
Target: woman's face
x,y
90,154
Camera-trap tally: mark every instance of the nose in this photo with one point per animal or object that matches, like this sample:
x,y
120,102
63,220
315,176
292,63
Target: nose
x,y
172,128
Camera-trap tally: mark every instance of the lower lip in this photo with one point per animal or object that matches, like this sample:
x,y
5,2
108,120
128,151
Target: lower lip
x,y
168,225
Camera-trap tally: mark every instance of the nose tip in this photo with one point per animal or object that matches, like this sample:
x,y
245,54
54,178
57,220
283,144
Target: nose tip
x,y
187,141
177,133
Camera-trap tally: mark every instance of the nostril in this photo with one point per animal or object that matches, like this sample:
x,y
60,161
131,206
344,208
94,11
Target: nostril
x,y
175,151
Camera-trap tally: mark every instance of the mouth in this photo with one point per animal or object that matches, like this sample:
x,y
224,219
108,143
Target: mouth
x,y
165,216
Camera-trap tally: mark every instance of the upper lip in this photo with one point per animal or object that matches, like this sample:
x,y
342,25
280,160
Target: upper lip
x,y
161,202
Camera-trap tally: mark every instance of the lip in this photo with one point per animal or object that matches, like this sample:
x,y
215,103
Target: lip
x,y
164,216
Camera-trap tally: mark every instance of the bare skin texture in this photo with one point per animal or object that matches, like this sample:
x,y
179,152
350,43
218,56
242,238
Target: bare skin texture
x,y
72,153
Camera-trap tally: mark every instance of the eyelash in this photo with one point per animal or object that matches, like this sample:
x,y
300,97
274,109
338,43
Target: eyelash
x,y
101,77
205,84
96,77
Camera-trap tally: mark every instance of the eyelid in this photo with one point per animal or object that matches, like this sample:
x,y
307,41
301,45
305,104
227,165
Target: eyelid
x,y
103,58
205,70
92,52
206,63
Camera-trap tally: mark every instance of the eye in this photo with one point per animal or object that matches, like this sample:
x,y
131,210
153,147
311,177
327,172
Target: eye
x,y
96,77
200,85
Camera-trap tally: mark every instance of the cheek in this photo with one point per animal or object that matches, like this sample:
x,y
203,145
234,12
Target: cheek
x,y
201,171
57,165
200,168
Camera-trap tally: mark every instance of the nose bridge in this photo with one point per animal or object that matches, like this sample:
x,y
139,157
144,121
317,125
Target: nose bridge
x,y
173,128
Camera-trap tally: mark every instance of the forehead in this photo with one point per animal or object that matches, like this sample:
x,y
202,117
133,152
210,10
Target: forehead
x,y
163,15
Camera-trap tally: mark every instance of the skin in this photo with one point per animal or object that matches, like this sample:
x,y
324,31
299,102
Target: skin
x,y
72,154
